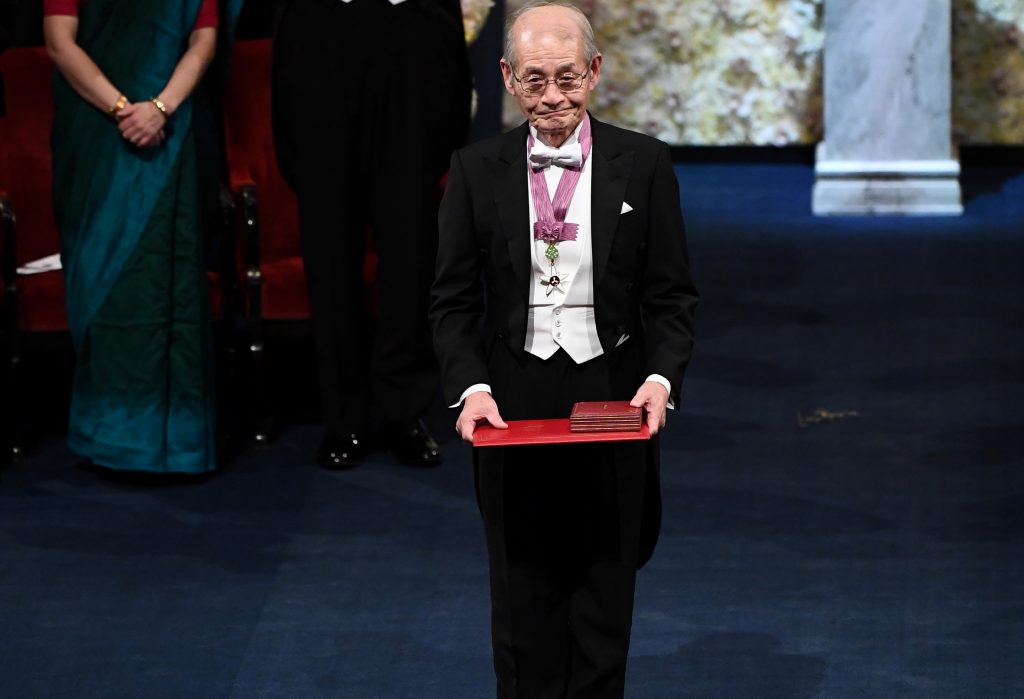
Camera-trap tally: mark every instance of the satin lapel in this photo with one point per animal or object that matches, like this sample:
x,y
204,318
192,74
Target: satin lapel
x,y
509,184
612,168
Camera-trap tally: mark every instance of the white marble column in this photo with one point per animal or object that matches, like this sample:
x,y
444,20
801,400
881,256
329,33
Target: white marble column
x,y
887,147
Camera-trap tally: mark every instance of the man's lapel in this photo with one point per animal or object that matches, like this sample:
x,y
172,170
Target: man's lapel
x,y
508,178
612,167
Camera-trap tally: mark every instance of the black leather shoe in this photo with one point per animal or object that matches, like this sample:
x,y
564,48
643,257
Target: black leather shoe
x,y
341,453
411,443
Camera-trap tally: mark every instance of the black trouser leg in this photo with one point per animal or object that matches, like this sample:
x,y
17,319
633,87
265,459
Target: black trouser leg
x,y
404,370
561,590
601,616
333,254
560,630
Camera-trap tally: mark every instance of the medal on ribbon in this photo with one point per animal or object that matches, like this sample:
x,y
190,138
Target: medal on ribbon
x,y
551,226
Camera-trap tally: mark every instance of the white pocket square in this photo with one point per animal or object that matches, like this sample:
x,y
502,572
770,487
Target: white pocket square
x,y
625,336
626,208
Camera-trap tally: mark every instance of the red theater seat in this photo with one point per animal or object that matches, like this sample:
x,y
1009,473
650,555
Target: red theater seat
x,y
270,253
38,299
32,305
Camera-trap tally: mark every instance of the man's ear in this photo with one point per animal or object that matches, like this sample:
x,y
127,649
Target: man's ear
x,y
595,70
506,75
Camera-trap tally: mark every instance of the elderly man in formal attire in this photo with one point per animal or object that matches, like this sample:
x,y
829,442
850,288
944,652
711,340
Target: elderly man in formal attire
x,y
562,276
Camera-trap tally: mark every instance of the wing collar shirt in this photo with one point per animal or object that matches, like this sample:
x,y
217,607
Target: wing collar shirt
x,y
563,317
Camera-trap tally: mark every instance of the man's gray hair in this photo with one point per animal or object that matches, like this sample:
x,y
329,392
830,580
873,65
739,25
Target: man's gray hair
x,y
586,31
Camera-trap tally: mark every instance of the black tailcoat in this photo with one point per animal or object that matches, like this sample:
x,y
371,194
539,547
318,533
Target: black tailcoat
x,y
643,292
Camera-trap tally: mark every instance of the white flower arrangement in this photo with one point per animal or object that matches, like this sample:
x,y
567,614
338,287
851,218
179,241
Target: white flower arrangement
x,y
728,72
988,71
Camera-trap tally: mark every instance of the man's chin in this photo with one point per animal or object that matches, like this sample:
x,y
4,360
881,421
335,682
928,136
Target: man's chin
x,y
556,124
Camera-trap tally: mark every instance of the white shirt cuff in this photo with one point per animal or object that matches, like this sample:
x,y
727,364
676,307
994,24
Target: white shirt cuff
x,y
658,378
472,389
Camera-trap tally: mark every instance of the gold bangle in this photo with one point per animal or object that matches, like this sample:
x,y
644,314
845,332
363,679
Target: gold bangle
x,y
121,103
161,106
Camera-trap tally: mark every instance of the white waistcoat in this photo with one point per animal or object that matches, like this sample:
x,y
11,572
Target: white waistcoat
x,y
566,319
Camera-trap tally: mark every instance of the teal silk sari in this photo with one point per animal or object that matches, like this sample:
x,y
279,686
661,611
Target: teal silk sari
x,y
131,247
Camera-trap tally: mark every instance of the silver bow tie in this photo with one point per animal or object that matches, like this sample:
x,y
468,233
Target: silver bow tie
x,y
567,156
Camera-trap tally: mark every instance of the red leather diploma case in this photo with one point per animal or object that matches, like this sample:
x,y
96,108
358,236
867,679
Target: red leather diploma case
x,y
553,431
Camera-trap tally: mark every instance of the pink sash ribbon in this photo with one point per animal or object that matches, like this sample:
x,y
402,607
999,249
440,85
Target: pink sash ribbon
x,y
551,226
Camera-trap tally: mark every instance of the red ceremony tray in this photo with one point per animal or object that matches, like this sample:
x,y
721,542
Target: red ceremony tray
x,y
553,431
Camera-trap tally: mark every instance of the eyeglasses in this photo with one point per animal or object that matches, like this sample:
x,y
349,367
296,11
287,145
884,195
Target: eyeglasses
x,y
536,84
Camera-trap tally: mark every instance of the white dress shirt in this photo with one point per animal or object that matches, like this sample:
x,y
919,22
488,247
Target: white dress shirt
x,y
564,318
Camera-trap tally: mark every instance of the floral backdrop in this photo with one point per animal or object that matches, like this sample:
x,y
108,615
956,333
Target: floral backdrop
x,y
727,72
988,71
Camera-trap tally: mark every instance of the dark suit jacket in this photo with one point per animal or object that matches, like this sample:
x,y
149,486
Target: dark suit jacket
x,y
426,75
642,282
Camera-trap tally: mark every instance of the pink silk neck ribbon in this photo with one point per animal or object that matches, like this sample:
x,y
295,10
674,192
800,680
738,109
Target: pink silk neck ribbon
x,y
551,226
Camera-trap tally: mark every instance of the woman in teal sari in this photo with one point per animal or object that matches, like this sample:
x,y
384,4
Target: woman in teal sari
x,y
126,204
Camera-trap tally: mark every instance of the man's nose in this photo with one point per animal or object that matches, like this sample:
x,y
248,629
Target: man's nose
x,y
551,94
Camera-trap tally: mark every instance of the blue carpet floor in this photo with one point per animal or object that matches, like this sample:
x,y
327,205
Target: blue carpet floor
x,y
844,501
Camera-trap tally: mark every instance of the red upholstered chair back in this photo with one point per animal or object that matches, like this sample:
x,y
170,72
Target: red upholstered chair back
x,y
249,148
26,179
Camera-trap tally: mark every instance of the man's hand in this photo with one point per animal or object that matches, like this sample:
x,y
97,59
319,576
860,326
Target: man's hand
x,y
478,407
652,396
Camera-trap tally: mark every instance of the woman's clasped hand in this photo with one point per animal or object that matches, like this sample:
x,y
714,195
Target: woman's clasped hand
x,y
142,124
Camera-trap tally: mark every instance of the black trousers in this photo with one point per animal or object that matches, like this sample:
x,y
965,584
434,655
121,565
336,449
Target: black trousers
x,y
562,572
369,100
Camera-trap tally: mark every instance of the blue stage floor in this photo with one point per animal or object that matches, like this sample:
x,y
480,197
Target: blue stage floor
x,y
873,549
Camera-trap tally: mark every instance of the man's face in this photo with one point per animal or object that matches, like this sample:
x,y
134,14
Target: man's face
x,y
548,44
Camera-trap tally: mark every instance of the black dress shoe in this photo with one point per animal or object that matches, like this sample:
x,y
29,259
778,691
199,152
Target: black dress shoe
x,y
338,453
411,443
